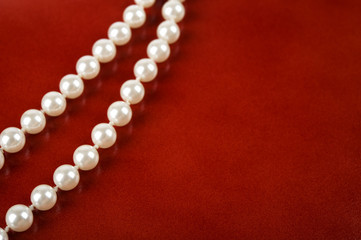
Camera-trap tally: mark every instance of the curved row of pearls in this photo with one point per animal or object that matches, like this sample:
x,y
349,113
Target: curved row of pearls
x,y
19,217
71,86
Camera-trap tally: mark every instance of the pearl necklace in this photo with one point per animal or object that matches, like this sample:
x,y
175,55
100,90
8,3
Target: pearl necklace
x,y
19,217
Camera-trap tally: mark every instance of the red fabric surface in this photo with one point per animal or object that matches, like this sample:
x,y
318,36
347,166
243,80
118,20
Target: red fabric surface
x,y
251,130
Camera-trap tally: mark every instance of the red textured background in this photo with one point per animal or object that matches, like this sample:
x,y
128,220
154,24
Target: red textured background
x,y
252,129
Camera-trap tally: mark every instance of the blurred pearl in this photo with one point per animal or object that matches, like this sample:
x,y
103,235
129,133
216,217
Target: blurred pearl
x,y
33,121
88,67
53,104
2,161
86,157
134,15
71,86
145,69
66,177
158,50
145,3
43,197
3,235
104,50
132,91
12,139
119,113
173,10
119,33
168,31
19,218
104,135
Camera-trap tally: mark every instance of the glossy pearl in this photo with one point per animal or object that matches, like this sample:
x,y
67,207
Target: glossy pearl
x,y
66,177
43,197
132,91
119,33
19,218
173,10
53,104
33,121
3,235
134,15
104,50
168,31
86,157
145,3
88,67
119,113
71,86
158,50
12,139
104,135
2,161
146,69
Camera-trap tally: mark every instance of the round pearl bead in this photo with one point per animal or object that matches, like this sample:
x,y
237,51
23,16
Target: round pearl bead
x,y
71,86
19,218
168,31
12,139
134,15
104,135
146,69
104,50
66,177
119,33
33,121
173,10
86,157
53,104
145,3
43,197
132,91
2,161
158,50
119,113
3,235
88,67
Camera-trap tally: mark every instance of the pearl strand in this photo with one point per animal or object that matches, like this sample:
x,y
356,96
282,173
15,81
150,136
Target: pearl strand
x,y
19,217
71,86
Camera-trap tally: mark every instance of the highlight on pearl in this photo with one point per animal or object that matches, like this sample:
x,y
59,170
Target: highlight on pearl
x,y
12,139
132,91
19,218
53,104
43,197
134,15
71,86
119,33
146,69
33,121
104,50
168,31
88,67
158,50
173,10
119,113
66,177
104,135
3,235
86,157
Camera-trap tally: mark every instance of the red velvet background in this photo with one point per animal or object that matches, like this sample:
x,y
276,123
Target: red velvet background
x,y
251,131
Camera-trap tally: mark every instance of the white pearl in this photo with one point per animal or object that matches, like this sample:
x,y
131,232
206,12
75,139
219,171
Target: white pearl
x,y
119,113
86,157
19,218
173,10
132,91
53,104
3,235
104,135
168,31
71,86
12,139
88,67
134,15
158,50
146,69
119,33
145,3
33,121
66,177
104,50
2,161
43,197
